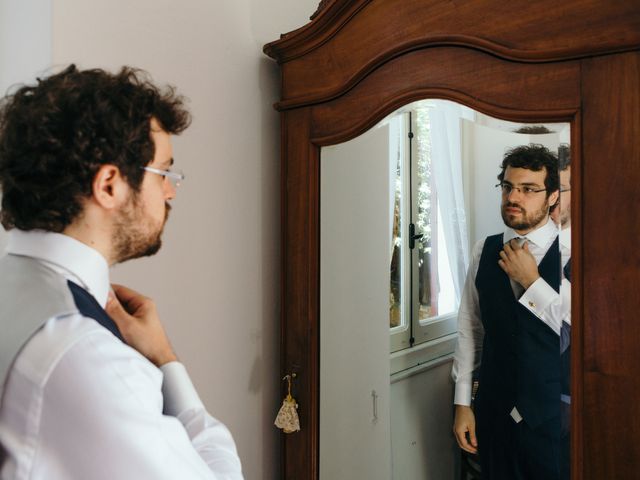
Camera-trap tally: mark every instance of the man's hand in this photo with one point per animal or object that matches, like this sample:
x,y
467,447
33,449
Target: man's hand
x,y
518,263
137,318
465,422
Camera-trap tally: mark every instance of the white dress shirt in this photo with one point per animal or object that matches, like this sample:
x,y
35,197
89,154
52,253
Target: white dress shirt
x,y
540,299
80,404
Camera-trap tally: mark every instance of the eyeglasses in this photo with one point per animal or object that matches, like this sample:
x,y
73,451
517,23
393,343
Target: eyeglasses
x,y
176,178
526,190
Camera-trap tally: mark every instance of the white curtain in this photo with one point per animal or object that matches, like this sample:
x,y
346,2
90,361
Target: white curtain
x,y
446,161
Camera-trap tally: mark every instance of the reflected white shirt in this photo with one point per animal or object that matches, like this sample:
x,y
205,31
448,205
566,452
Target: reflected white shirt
x,y
540,298
80,404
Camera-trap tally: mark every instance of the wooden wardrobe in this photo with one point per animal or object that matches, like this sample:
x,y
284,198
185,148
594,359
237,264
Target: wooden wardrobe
x,y
574,61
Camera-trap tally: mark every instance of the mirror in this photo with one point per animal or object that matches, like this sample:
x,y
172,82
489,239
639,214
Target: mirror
x,y
401,208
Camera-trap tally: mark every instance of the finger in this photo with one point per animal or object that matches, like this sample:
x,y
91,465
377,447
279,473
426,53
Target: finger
x,y
464,444
112,301
513,243
506,257
123,293
461,438
471,449
472,436
130,299
115,310
460,432
509,251
503,265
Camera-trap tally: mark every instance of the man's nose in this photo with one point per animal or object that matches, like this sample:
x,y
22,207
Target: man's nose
x,y
170,191
513,191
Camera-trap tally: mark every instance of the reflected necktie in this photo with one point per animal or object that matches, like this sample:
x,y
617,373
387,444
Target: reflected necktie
x,y
518,289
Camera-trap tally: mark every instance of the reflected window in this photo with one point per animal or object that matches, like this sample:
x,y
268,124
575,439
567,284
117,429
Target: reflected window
x,y
428,226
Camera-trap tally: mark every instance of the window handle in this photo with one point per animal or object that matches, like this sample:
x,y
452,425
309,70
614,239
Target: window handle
x,y
413,237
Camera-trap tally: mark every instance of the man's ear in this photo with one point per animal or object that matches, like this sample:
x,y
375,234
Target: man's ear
x,y
109,187
554,198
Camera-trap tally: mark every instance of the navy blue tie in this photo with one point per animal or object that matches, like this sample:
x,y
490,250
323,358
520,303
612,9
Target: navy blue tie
x,y
89,307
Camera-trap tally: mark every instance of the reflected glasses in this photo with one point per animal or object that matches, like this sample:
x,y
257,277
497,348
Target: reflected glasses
x,y
526,190
176,178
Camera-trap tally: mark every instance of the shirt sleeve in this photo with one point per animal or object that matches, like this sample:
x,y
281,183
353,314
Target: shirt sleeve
x,y
544,302
211,439
102,418
470,334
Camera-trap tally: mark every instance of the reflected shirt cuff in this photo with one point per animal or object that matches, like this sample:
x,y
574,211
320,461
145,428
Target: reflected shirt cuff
x,y
463,394
537,299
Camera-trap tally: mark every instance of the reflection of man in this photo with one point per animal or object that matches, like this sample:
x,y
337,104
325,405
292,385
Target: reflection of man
x,y
509,325
561,211
561,214
90,393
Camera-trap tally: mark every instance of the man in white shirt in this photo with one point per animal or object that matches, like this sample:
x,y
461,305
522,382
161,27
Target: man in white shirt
x,y
511,314
91,387
561,215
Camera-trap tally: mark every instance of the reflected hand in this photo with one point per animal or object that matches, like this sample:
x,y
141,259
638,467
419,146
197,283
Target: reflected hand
x,y
137,319
465,422
519,263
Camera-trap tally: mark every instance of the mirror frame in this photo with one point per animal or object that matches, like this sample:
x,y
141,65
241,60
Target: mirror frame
x,y
359,60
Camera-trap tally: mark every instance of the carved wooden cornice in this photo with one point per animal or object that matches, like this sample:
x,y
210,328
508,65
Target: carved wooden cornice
x,y
323,4
478,24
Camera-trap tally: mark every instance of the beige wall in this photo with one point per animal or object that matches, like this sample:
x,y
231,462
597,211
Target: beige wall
x,y
216,280
25,43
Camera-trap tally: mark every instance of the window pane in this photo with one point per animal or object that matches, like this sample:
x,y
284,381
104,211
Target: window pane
x,y
396,269
426,220
395,296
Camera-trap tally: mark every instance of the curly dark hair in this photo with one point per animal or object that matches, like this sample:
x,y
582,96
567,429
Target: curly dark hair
x,y
55,136
534,157
564,156
564,162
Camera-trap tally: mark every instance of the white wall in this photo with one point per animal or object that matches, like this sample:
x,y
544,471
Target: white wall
x,y
355,251
216,280
483,149
422,443
25,47
25,40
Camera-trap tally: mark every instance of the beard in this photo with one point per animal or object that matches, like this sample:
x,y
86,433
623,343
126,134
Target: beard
x,y
565,216
527,220
135,234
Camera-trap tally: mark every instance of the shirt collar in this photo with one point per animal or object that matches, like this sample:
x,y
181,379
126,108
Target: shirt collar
x,y
565,238
73,259
540,237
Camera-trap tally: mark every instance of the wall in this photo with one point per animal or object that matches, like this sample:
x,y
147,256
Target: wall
x,y
484,145
25,40
25,47
216,280
355,252
422,444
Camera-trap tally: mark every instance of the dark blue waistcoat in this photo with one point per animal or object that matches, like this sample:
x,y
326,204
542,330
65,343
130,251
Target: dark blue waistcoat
x,y
520,353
